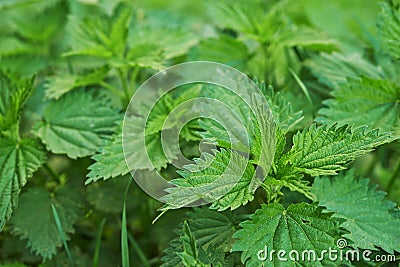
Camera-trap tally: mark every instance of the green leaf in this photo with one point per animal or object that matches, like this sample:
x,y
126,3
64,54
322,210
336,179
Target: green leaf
x,y
76,124
14,92
335,69
111,161
226,179
189,255
18,161
370,219
286,119
100,36
299,227
211,229
264,139
40,230
365,101
389,28
326,150
62,83
224,49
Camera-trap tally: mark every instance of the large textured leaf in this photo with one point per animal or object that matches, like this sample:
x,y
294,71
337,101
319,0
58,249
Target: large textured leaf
x,y
334,69
389,28
365,101
226,179
18,161
326,150
76,124
34,219
299,227
370,219
209,228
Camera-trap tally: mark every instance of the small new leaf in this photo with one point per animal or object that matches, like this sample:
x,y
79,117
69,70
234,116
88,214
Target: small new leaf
x,y
13,95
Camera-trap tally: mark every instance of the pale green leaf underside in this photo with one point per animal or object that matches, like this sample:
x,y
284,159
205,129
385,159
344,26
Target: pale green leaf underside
x,y
18,161
369,217
76,124
326,150
299,227
34,220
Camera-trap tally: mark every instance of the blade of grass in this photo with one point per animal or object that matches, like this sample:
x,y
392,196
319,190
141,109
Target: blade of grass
x,y
302,86
124,240
61,232
98,243
139,251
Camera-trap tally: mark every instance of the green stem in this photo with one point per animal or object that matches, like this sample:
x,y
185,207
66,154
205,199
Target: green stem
x,y
395,175
139,251
98,243
134,76
52,173
112,89
122,77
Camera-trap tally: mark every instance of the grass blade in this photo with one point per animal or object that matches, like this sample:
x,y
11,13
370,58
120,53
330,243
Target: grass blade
x,y
98,243
124,240
61,232
139,251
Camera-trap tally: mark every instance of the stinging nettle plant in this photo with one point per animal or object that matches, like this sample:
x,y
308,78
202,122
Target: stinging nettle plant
x,y
69,68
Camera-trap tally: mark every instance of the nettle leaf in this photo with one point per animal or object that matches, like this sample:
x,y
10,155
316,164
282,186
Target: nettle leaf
x,y
18,161
263,144
300,227
76,124
365,101
34,220
224,49
335,69
286,119
210,229
226,179
62,83
389,28
111,161
370,219
189,255
325,150
14,92
100,36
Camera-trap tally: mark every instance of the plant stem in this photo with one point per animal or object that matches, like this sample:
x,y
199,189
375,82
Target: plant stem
x,y
123,79
52,173
98,243
396,174
112,89
139,251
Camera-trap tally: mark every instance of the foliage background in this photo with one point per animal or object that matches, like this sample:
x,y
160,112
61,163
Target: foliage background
x,y
333,61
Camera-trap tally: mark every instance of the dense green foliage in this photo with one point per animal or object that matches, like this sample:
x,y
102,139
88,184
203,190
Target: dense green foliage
x,y
329,71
